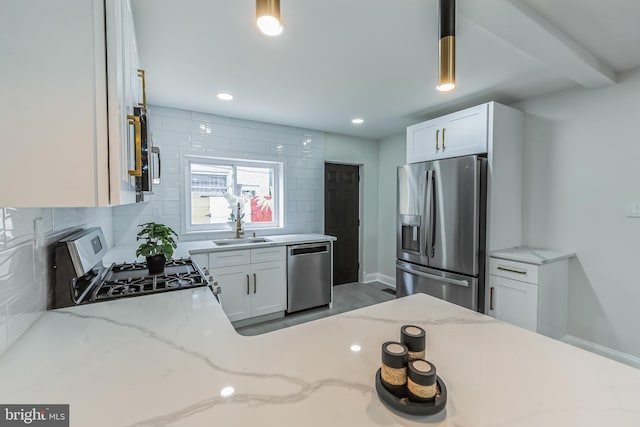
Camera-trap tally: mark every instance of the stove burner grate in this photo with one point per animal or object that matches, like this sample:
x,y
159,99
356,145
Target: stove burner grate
x,y
127,281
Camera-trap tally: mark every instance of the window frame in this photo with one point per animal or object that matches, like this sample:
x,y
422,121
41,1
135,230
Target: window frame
x,y
278,168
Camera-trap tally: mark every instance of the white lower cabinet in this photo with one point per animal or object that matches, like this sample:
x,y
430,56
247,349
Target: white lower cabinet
x,y
253,281
532,295
514,302
269,284
236,293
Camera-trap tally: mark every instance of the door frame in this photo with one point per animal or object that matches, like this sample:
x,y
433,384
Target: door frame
x,y
360,210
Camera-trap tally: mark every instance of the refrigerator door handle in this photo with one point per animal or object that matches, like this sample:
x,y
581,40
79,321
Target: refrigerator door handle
x,y
428,209
464,283
434,212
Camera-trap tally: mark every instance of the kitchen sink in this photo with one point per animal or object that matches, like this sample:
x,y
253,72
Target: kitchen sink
x,y
232,242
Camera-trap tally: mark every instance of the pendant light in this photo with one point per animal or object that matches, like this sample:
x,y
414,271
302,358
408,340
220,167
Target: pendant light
x,y
447,46
268,17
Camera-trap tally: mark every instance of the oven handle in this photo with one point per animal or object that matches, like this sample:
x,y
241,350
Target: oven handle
x,y
72,288
464,283
93,285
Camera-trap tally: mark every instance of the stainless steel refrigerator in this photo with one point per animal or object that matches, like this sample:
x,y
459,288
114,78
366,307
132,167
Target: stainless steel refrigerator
x,y
441,230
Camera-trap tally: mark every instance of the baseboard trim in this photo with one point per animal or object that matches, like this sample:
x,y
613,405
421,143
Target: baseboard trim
x,y
379,277
616,355
387,280
370,277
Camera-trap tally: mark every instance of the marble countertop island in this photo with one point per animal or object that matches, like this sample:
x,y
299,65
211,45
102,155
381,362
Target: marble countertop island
x,y
163,360
537,256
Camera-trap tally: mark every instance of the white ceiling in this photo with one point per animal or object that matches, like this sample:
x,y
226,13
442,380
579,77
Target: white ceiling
x,y
375,59
610,29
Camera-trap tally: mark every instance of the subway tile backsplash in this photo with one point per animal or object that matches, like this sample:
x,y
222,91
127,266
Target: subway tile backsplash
x,y
25,234
177,131
24,272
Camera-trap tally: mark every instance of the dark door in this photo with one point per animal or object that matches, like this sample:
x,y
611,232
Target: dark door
x,y
341,219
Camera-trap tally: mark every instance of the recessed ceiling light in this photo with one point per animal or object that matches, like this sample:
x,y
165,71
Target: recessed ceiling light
x,y
225,96
357,121
227,391
356,348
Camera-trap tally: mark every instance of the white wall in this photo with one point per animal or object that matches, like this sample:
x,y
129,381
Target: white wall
x,y
582,166
392,153
359,151
180,131
24,268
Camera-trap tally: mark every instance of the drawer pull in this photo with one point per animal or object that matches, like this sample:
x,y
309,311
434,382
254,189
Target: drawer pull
x,y
510,270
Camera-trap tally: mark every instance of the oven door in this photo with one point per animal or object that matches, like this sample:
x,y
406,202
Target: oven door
x,y
455,288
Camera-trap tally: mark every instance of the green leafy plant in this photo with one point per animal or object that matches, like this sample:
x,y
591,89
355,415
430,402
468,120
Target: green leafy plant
x,y
158,240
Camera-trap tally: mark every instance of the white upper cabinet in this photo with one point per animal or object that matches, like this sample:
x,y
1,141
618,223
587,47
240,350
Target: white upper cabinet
x,y
124,95
458,134
67,90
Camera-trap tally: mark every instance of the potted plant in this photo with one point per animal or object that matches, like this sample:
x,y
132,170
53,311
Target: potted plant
x,y
157,247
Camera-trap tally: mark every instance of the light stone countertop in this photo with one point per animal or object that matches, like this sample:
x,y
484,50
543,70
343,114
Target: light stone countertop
x,y
162,360
530,255
127,253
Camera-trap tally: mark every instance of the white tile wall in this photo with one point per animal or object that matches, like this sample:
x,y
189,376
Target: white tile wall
x,y
23,261
180,131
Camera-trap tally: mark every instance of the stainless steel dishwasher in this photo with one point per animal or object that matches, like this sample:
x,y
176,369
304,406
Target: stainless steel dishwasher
x,y
308,276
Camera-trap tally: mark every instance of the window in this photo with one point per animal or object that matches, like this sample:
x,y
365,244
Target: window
x,y
215,188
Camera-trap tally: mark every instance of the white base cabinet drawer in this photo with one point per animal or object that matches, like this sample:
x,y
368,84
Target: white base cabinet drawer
x,y
514,302
229,258
278,253
514,270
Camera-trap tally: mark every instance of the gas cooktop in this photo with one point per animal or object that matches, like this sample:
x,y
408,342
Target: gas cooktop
x,y
81,277
130,279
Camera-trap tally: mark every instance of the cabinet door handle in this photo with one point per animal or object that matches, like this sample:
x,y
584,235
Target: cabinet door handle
x,y
510,270
135,121
247,284
444,147
255,283
141,74
156,151
437,140
491,299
